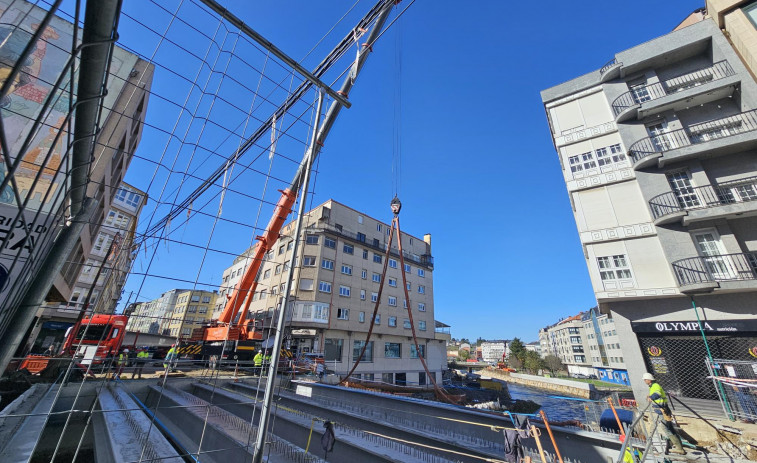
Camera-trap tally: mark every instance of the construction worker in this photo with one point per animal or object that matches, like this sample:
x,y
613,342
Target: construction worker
x,y
631,454
267,359
258,362
659,400
123,360
170,357
142,357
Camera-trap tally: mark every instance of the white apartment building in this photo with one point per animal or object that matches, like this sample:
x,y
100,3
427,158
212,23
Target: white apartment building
x,y
336,282
604,347
493,351
154,317
658,149
567,340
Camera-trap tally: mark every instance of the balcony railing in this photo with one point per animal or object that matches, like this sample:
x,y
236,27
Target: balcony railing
x,y
703,197
644,93
694,134
426,259
609,65
727,267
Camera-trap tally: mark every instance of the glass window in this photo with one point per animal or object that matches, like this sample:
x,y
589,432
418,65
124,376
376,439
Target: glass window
x,y
614,267
422,325
393,350
266,274
376,278
392,301
329,242
344,291
362,294
332,349
282,249
406,324
421,307
374,297
361,317
414,352
751,12
357,347
278,269
421,272
365,254
392,321
408,268
348,249
343,314
290,245
306,284
393,282
347,269
327,264
378,319
421,289
311,239
392,263
581,162
378,227
324,286
377,258
361,237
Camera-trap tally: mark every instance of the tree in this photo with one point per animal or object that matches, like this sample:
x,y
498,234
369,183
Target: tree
x,y
553,363
533,362
464,340
479,341
518,350
514,362
463,354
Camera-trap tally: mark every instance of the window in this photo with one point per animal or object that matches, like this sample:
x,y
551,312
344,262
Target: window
x,y
344,291
376,278
195,298
376,242
324,286
361,318
282,249
362,294
206,299
409,286
329,242
192,309
393,350
357,347
613,267
575,339
346,269
129,197
365,253
364,274
393,282
404,303
332,349
286,266
392,263
610,155
421,307
202,310
374,297
311,239
578,349
579,358
290,245
581,162
406,324
266,274
422,325
751,12
377,258
680,183
327,264
263,294
392,301
421,350
306,284
408,268
421,289
308,261
378,227
421,273
361,237
378,319
392,321
348,249
278,269
343,314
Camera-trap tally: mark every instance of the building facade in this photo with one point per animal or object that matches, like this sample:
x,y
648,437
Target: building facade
x,y
192,309
566,339
658,154
337,275
154,316
493,351
738,18
604,347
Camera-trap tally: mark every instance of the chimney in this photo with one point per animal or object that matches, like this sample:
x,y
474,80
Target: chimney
x,y
427,238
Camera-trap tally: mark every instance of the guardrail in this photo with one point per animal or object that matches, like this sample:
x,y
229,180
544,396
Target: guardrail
x,y
709,269
703,197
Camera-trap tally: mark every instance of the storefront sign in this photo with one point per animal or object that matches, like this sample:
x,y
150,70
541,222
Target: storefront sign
x,y
659,365
709,326
654,351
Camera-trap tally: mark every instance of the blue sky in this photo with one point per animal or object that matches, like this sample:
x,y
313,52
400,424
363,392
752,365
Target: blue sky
x,y
479,171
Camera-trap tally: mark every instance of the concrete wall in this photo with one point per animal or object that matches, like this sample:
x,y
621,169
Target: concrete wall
x,y
563,386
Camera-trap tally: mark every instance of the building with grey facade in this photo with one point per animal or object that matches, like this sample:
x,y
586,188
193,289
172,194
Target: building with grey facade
x,y
604,348
657,149
336,285
567,340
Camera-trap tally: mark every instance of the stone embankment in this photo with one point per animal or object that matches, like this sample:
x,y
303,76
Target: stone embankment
x,y
563,386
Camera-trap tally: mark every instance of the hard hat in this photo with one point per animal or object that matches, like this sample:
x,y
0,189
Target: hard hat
x,y
647,376
126,350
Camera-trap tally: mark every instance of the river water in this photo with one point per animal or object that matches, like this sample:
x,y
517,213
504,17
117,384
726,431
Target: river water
x,y
557,409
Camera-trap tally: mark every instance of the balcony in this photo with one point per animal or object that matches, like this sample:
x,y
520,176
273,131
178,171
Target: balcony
x,y
737,197
650,150
704,273
610,70
631,102
425,260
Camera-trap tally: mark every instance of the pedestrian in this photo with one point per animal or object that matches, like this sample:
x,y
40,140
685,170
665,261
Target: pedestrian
x,y
123,360
659,400
142,357
50,352
258,362
168,364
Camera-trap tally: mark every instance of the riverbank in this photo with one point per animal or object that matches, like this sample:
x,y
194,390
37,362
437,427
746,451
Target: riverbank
x,y
563,386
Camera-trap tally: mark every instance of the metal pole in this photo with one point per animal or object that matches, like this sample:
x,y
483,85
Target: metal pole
x,y
38,289
268,397
265,43
97,40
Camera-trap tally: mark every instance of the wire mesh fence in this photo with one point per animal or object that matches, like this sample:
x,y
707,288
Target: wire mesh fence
x,y
736,384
